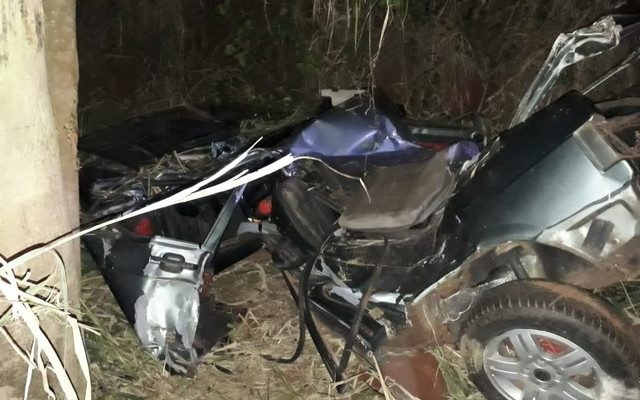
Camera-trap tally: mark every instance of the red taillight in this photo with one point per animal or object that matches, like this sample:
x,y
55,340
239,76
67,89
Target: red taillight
x,y
264,207
143,227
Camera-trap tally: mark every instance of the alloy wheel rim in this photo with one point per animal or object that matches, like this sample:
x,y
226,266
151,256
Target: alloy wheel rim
x,y
529,364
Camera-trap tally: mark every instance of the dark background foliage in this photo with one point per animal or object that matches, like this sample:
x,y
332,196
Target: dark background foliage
x,y
439,58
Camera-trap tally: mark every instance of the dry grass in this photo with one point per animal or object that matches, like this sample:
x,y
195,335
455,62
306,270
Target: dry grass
x,y
626,297
454,373
444,59
479,56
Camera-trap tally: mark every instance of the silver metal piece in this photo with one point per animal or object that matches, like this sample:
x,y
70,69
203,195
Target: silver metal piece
x,y
521,368
522,210
189,252
213,239
622,210
594,144
568,49
167,313
456,305
353,296
257,227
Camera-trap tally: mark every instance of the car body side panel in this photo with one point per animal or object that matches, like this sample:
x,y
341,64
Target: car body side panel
x,y
542,197
508,197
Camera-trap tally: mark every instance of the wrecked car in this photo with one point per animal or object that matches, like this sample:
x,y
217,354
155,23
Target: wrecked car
x,y
393,232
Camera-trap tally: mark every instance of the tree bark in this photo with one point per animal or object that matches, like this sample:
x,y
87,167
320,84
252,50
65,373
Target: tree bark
x,y
38,167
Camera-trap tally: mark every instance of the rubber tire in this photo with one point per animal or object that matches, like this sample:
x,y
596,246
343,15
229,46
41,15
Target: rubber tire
x,y
567,311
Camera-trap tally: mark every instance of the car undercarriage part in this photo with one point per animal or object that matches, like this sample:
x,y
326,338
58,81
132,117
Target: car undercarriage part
x,y
340,314
305,307
323,350
362,307
309,305
306,319
515,263
301,303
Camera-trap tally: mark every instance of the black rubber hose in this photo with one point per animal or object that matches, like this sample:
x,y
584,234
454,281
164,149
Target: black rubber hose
x,y
303,286
303,314
324,352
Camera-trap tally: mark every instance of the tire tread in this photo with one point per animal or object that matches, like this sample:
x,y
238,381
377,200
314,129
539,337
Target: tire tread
x,y
558,305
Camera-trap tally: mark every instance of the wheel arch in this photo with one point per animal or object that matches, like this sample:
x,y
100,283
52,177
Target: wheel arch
x,y
449,300
544,262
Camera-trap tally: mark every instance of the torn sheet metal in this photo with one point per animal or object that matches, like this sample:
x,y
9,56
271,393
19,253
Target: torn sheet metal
x,y
166,314
568,49
361,131
353,296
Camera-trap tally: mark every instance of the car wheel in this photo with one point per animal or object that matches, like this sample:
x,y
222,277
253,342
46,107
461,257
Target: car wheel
x,y
540,340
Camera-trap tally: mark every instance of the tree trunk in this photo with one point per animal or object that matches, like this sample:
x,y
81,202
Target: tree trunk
x,y
38,172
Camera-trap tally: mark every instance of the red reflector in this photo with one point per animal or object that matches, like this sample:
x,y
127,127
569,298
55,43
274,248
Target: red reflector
x,y
264,207
434,146
143,227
